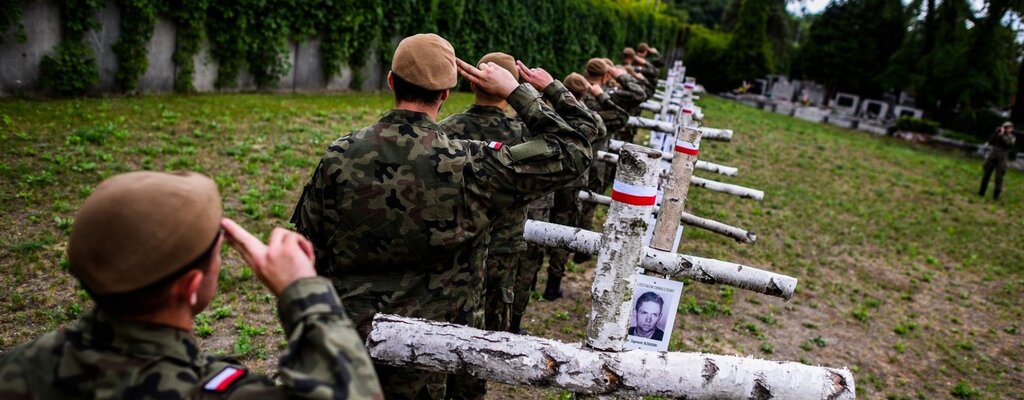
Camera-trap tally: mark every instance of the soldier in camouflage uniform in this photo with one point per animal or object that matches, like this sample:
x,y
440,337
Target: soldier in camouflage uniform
x,y
614,118
145,246
486,121
568,211
650,54
649,71
1000,144
398,212
530,262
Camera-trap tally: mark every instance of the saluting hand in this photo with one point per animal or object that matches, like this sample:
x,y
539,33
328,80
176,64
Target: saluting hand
x,y
490,78
286,258
536,77
595,90
616,71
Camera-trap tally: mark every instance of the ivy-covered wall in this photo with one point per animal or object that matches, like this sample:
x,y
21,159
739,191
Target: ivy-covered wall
x,y
187,45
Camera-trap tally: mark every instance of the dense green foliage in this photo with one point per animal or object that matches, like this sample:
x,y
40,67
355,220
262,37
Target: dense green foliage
x,y
138,19
256,35
849,45
748,55
707,13
705,53
72,68
10,14
189,17
918,125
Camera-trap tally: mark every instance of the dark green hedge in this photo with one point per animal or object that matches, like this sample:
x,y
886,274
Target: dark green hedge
x,y
253,35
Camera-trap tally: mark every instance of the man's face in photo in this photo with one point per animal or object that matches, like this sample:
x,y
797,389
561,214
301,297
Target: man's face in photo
x,y
647,316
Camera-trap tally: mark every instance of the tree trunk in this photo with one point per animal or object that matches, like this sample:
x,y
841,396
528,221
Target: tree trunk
x,y
733,232
530,361
675,189
622,246
701,269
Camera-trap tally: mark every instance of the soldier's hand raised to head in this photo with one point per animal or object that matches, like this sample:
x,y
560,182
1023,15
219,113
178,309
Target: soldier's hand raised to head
x,y
490,78
595,90
286,258
536,77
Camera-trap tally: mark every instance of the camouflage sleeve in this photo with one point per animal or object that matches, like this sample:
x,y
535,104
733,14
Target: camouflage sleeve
x,y
558,151
632,93
615,118
656,60
325,357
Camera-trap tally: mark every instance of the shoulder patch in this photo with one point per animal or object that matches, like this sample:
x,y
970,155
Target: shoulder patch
x,y
494,145
224,379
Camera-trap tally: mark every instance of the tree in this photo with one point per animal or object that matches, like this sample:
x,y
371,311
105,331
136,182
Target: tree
x,y
747,56
850,44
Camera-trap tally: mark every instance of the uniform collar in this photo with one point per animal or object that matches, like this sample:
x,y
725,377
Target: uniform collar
x,y
490,111
400,116
139,339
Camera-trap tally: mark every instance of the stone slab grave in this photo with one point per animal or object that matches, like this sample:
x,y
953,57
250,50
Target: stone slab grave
x,y
905,111
811,113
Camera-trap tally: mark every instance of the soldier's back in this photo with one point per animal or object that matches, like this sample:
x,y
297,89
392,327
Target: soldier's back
x,y
101,358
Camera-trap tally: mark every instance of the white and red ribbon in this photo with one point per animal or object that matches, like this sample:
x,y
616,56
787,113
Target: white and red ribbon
x,y
689,86
634,195
494,145
223,380
685,147
687,110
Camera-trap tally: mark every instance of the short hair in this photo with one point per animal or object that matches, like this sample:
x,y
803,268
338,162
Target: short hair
x,y
649,297
410,92
150,299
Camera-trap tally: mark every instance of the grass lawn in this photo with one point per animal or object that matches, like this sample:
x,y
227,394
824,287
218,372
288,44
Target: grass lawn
x,y
906,276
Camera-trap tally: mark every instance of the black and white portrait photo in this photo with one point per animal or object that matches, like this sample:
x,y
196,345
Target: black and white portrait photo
x,y
655,301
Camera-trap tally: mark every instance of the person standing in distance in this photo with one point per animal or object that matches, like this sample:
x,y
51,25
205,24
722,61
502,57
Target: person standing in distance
x,y
1000,145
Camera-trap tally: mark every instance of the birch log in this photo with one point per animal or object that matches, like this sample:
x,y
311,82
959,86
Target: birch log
x,y
634,192
726,170
705,270
733,232
708,184
735,190
530,361
675,188
722,135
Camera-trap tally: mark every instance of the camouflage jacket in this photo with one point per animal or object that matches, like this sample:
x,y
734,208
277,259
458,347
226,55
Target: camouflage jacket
x,y
397,211
1000,146
648,70
490,124
655,59
614,117
629,94
101,357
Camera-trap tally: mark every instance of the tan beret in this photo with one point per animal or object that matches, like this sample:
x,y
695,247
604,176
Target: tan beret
x,y
576,84
643,47
1007,124
503,60
596,67
628,52
141,227
426,60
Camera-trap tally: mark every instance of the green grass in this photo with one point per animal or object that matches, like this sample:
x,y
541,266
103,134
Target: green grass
x,y
906,276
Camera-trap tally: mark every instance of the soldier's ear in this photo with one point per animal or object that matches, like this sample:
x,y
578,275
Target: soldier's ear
x,y
189,286
391,80
444,95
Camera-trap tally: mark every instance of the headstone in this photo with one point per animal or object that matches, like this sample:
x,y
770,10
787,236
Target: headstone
x,y
844,104
873,110
905,111
842,120
783,90
811,113
759,87
812,93
784,107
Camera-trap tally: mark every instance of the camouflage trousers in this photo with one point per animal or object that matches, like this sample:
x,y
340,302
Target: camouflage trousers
x,y
410,383
565,212
597,183
530,262
499,294
498,301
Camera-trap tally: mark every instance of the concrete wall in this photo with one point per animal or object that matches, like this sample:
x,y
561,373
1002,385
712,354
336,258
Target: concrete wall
x,y
19,62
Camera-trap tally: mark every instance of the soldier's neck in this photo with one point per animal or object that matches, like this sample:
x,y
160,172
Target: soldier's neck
x,y
175,318
493,102
429,109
